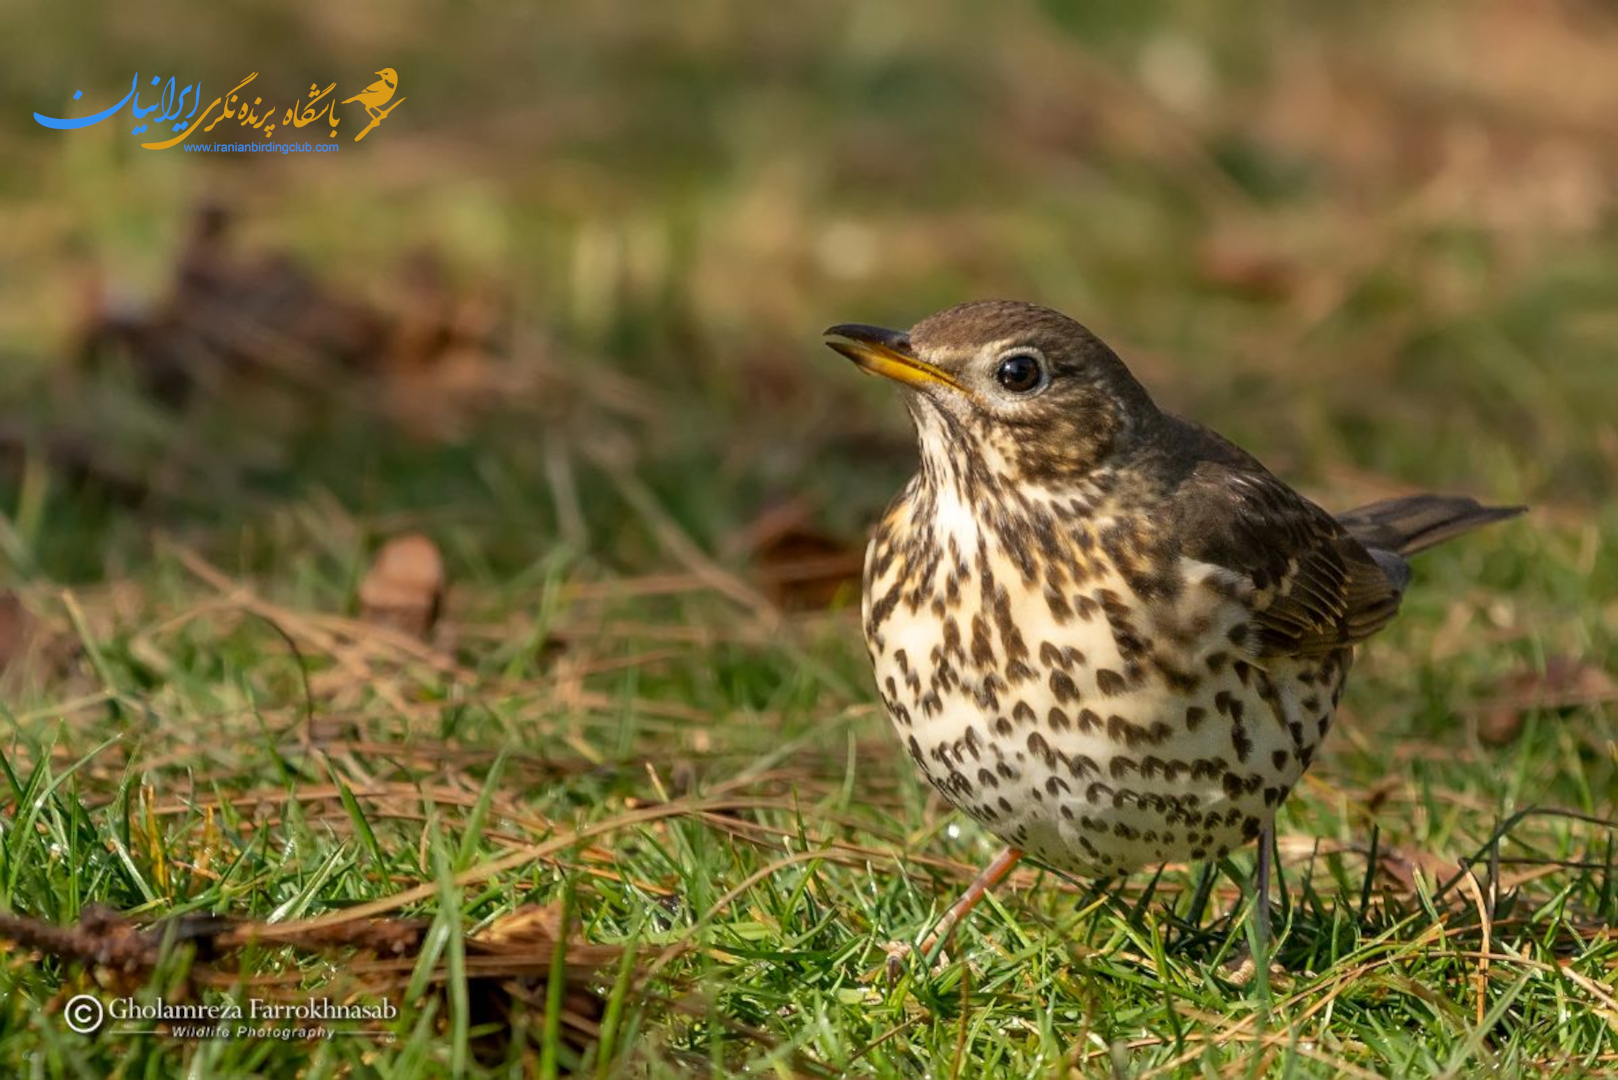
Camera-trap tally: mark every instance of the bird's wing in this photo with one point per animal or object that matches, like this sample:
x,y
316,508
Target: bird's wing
x,y
1311,587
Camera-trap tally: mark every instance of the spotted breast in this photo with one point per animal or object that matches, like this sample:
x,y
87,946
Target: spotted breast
x,y
1097,726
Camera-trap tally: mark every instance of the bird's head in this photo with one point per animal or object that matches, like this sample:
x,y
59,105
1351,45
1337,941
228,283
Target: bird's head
x,y
389,76
1015,388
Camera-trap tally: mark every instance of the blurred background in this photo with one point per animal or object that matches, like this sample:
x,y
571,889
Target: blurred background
x,y
1376,245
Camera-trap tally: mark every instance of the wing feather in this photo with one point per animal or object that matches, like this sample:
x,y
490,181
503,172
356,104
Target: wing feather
x,y
1312,588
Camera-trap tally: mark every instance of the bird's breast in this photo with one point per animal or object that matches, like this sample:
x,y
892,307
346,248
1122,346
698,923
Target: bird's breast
x,y
1072,704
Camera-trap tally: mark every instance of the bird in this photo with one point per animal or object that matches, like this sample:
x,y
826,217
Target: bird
x,y
379,93
1106,633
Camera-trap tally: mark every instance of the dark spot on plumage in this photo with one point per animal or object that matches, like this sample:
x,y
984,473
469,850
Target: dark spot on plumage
x,y
952,638
1119,766
1177,679
1081,765
1023,713
1058,605
1010,637
1194,716
1131,645
1059,720
982,648
1089,721
1063,687
1240,741
1053,784
1216,661
1243,670
1278,758
882,609
1019,672
1109,682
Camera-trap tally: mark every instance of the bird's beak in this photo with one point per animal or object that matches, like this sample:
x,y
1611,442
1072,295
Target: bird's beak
x,y
380,73
887,353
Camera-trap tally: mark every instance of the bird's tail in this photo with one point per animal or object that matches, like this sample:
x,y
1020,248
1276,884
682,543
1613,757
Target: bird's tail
x,y
1407,525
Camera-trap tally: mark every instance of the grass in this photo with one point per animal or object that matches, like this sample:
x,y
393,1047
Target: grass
x,y
1379,266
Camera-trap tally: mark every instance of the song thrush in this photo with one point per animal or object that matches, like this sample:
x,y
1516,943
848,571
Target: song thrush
x,y
1106,633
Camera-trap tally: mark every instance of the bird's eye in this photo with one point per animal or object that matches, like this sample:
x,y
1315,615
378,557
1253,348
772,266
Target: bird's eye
x,y
1020,373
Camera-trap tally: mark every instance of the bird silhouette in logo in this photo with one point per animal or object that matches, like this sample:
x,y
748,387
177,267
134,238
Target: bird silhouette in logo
x,y
378,94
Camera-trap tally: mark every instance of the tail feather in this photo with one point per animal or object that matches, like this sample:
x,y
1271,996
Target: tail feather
x,y
1410,524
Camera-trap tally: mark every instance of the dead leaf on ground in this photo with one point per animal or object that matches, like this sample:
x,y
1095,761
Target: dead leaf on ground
x,y
1248,265
799,566
1563,684
404,588
236,322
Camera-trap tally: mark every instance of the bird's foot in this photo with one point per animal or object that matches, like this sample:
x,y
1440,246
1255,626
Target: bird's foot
x,y
1241,968
899,958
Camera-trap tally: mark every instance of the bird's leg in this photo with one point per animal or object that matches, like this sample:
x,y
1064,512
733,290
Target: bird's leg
x,y
991,876
1261,899
1249,954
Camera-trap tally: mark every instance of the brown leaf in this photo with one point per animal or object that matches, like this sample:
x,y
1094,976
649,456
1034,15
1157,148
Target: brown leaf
x,y
1564,683
799,567
405,586
1245,265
